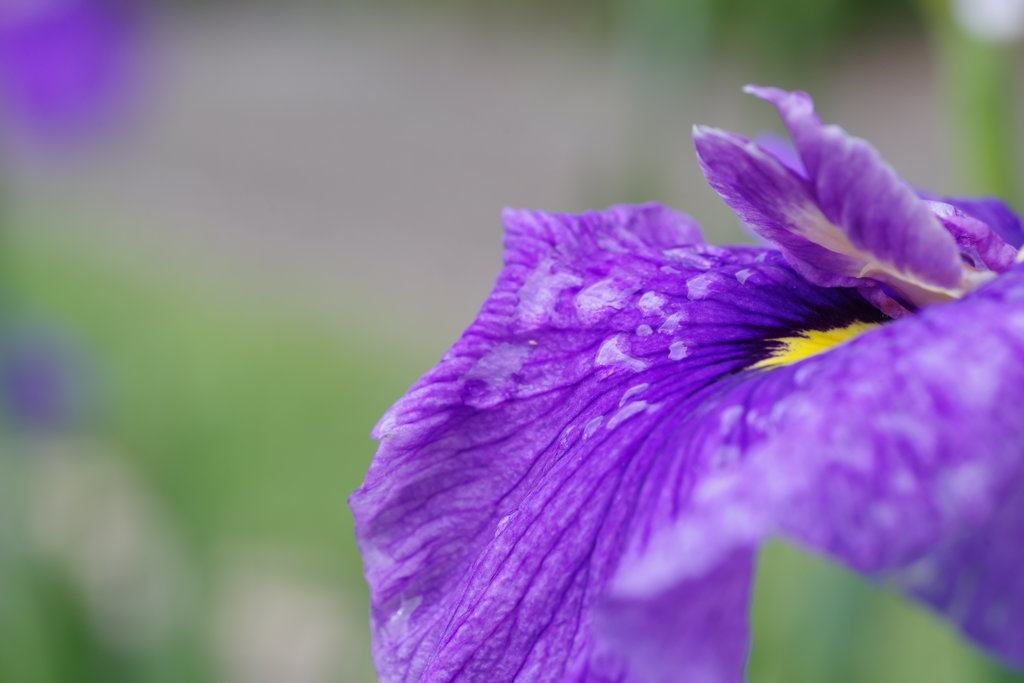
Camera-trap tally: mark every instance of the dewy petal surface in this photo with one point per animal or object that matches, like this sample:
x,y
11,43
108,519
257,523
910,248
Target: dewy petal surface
x,y
578,412
898,452
577,491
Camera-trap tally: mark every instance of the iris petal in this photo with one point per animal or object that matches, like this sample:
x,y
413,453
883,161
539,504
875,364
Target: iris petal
x,y
510,478
917,461
779,205
862,195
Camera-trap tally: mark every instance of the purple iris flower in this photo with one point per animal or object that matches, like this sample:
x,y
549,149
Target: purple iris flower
x,y
577,492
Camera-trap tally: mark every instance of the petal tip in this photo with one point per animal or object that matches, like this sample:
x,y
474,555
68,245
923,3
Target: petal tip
x,y
511,216
700,132
789,102
765,92
706,139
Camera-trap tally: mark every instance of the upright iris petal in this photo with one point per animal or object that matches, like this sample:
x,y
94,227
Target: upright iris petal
x,y
578,490
843,217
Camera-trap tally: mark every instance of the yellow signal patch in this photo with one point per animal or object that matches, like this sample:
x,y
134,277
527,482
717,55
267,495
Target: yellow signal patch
x,y
807,343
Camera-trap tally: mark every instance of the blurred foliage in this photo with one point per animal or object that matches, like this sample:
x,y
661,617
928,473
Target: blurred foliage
x,y
789,31
796,29
980,99
248,429
814,621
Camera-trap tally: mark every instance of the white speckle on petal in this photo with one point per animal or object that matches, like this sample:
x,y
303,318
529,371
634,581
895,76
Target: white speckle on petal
x,y
566,438
498,365
688,257
804,373
644,330
612,354
502,523
743,275
669,270
651,302
678,350
963,485
633,391
398,622
601,298
626,412
698,286
591,427
728,418
756,419
539,292
631,409
671,323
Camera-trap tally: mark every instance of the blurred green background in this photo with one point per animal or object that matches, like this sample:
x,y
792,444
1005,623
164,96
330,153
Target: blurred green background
x,y
206,303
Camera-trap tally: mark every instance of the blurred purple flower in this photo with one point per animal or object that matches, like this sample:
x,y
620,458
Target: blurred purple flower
x,y
65,65
578,490
40,380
